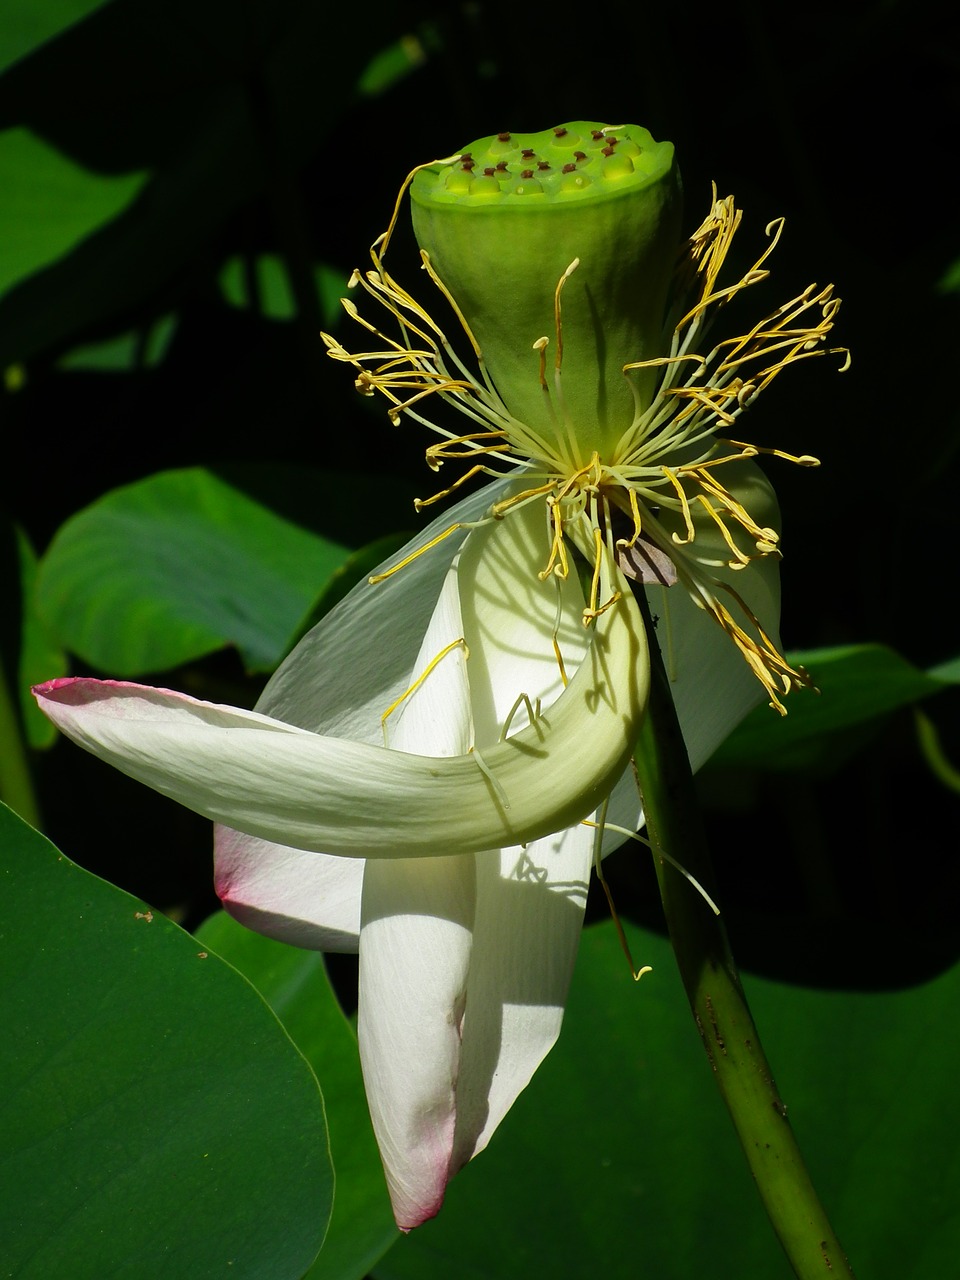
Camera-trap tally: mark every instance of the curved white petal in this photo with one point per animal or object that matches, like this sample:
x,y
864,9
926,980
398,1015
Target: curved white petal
x,y
415,950
455,1013
511,619
298,896
289,786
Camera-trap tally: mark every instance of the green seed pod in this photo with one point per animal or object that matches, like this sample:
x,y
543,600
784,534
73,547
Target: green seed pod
x,y
504,223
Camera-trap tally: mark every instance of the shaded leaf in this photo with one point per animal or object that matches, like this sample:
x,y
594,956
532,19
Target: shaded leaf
x,y
619,1160
295,985
221,102
50,204
155,1118
858,684
26,24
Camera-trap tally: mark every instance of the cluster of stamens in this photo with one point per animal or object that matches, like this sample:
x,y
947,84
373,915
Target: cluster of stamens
x,y
668,464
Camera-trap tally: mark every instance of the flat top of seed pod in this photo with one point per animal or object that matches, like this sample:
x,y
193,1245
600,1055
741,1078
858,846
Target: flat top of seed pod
x,y
565,164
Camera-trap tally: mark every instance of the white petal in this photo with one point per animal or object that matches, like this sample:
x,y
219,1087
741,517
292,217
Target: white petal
x,y
530,901
414,957
313,899
529,914
292,787
306,899
415,952
713,688
510,620
359,659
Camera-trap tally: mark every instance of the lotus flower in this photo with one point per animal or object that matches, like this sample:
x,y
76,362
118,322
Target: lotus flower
x,y
422,777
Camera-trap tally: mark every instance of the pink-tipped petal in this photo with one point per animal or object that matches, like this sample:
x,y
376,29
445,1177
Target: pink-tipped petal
x,y
332,795
416,939
306,899
414,960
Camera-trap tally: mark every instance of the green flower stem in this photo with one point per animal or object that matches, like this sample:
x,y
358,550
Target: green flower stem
x,y
16,787
716,996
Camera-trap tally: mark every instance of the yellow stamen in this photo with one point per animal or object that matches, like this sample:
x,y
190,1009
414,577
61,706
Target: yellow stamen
x,y
598,868
402,564
459,643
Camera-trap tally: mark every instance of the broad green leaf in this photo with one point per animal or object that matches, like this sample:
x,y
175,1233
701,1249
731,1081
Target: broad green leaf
x,y
857,685
295,985
27,24
155,1118
619,1159
176,566
50,203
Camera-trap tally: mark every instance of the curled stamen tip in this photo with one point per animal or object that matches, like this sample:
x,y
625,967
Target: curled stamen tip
x,y
353,281
541,344
808,460
571,269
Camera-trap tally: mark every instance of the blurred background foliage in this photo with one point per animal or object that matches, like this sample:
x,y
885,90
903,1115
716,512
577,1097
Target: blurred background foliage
x,y
184,190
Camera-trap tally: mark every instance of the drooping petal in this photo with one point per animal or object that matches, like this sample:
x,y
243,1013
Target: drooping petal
x,y
530,905
415,950
426,977
339,681
283,784
530,901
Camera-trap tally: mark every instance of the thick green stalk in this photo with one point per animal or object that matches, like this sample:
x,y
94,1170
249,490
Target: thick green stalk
x,y
716,996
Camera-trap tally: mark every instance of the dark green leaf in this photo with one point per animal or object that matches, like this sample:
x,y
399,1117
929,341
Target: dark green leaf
x,y
619,1160
156,1120
221,103
27,24
50,204
858,684
295,984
